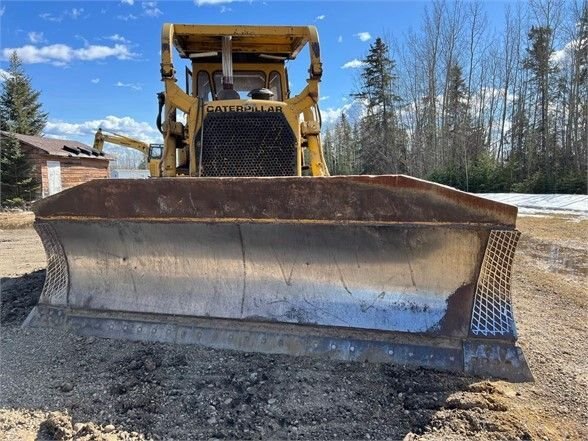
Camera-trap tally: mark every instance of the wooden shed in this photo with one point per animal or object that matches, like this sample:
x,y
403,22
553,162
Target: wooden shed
x,y
60,163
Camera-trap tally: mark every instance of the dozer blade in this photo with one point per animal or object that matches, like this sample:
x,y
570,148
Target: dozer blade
x,y
379,268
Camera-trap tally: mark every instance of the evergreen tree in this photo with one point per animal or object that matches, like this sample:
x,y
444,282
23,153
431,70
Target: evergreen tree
x,y
20,112
17,184
457,124
579,124
341,148
465,141
331,156
383,144
539,63
346,146
20,109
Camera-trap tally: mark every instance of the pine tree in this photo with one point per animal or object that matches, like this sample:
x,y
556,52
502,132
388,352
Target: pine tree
x,y
465,141
331,156
382,141
456,119
20,112
345,146
539,63
17,184
20,108
579,125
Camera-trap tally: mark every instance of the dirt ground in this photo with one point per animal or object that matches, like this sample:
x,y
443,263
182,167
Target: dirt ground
x,y
54,385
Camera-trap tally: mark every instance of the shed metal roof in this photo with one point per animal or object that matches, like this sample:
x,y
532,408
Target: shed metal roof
x,y
61,147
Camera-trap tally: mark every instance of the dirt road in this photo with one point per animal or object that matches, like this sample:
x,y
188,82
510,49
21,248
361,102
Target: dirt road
x,y
54,385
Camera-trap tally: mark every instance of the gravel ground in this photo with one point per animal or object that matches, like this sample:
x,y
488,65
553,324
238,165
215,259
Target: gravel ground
x,y
58,386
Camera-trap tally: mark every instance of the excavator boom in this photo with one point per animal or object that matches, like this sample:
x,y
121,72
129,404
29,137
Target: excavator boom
x,y
152,152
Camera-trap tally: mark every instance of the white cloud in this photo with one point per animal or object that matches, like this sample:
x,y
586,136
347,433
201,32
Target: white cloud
x,y
4,75
60,54
128,2
128,17
95,80
330,115
50,17
84,131
321,17
36,37
117,37
2,9
340,39
134,86
224,9
211,2
363,36
150,9
563,55
324,98
75,12
353,64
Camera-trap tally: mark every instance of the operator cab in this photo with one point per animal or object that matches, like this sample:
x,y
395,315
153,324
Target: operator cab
x,y
238,64
244,121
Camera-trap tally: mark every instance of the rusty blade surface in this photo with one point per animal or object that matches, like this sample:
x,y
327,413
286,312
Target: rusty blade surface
x,y
389,278
337,199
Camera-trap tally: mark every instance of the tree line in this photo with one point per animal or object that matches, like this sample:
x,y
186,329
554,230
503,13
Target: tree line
x,y
479,111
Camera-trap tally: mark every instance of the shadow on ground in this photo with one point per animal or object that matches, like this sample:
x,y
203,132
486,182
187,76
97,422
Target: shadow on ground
x,y
18,296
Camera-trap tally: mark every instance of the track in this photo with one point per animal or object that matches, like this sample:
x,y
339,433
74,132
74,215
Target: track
x,y
58,386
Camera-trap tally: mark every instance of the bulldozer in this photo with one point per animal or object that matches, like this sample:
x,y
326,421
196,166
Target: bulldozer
x,y
152,152
245,242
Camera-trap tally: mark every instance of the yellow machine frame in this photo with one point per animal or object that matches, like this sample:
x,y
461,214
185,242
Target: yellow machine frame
x,y
301,111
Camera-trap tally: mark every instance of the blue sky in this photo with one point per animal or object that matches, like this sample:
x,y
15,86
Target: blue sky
x,y
97,63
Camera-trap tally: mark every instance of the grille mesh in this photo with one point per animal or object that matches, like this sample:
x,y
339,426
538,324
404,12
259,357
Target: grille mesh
x,y
248,144
56,279
492,313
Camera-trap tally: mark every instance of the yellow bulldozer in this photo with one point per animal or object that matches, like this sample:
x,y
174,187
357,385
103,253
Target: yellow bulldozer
x,y
245,242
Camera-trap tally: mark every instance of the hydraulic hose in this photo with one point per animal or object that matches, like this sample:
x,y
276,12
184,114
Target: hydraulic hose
x,y
161,103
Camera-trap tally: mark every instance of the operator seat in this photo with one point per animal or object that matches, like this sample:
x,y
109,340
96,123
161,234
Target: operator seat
x,y
228,94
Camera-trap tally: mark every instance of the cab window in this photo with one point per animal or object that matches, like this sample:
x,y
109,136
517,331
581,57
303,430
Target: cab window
x,y
155,151
243,81
204,90
275,85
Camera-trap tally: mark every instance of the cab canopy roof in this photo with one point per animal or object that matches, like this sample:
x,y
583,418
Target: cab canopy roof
x,y
280,42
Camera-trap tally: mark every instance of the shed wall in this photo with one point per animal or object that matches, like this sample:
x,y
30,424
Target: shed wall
x,y
74,171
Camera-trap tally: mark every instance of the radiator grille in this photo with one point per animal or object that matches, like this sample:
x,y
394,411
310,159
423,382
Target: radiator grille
x,y
248,144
